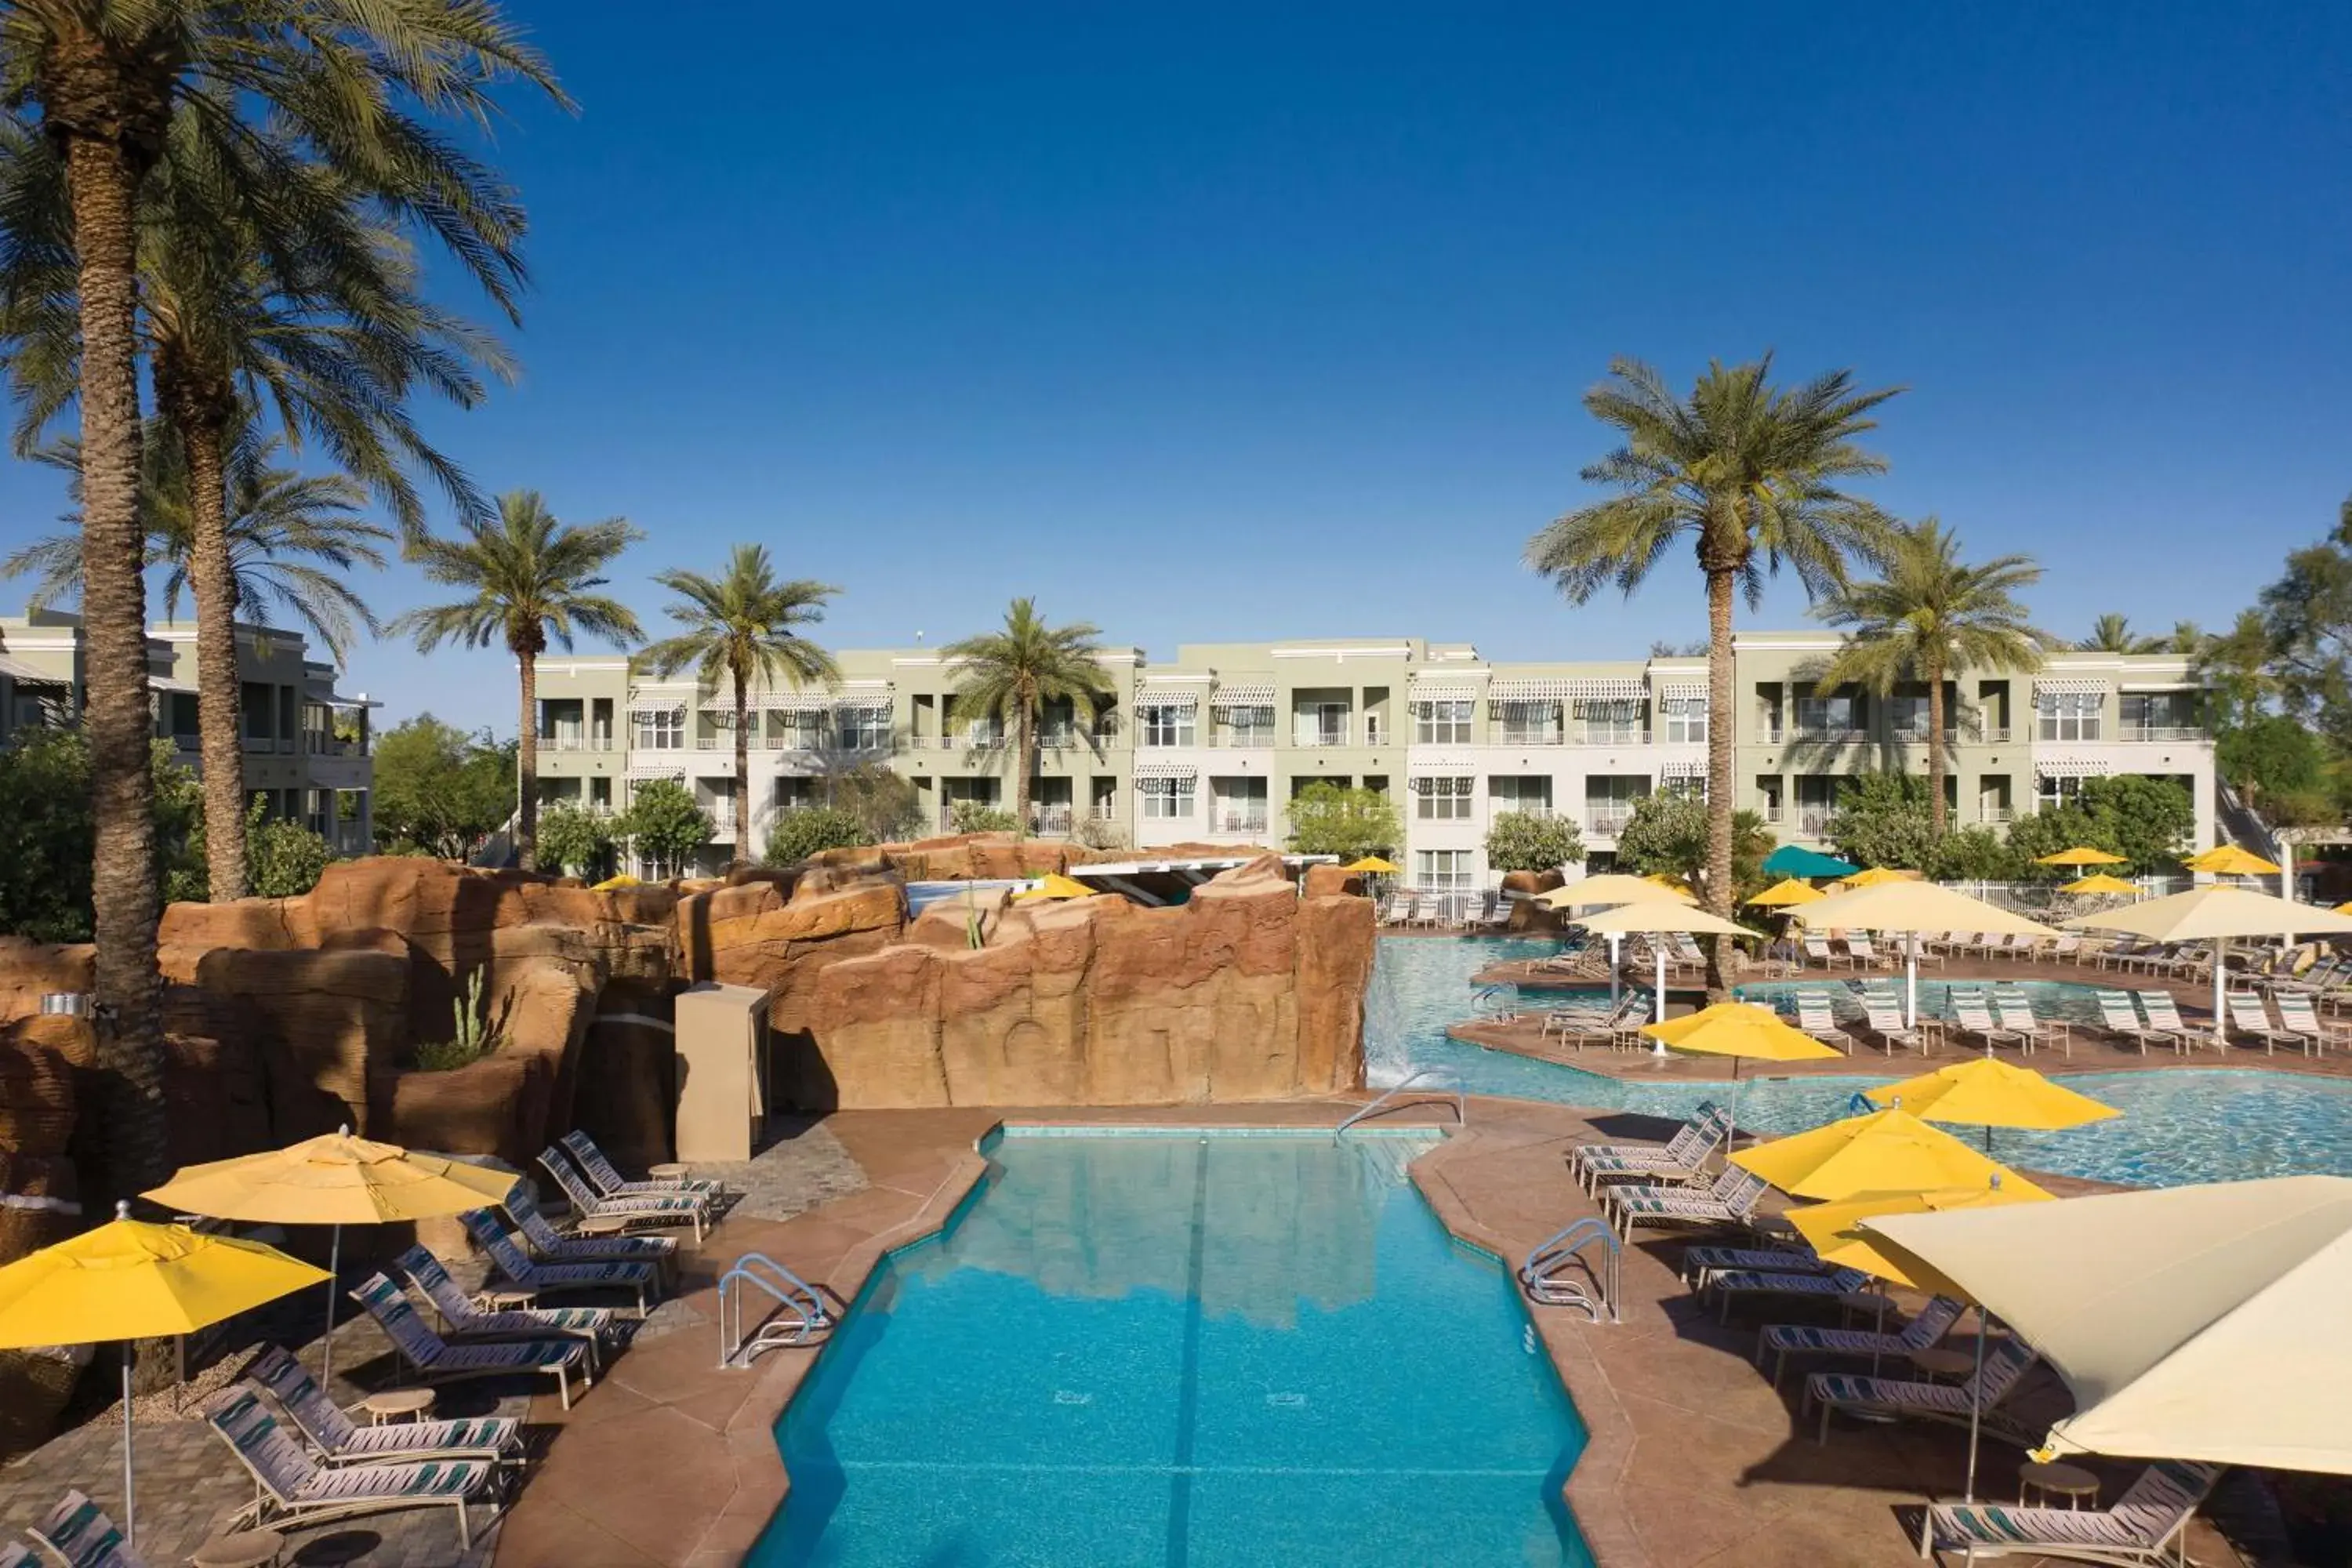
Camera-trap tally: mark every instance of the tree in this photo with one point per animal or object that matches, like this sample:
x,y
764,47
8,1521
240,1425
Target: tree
x,y
1976,854
664,826
286,858
1750,472
2112,632
335,80
2147,821
47,832
2269,756
1882,819
798,835
1926,616
575,840
440,790
884,803
1530,841
1014,673
1333,819
531,581
1672,834
2307,617
743,626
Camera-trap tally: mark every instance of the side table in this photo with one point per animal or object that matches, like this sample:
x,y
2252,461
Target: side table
x,y
397,1404
240,1548
2072,1482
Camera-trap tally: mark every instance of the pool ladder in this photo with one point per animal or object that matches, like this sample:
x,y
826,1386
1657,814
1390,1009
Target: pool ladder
x,y
1546,1276
1461,1100
800,1311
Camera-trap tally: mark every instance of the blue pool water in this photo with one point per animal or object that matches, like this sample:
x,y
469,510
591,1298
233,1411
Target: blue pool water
x,y
2177,1127
1171,1350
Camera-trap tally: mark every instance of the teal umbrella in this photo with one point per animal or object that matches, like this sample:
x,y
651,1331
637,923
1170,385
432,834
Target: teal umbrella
x,y
1794,860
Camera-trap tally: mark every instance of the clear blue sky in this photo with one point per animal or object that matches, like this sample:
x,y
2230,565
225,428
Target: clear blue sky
x,y
1209,324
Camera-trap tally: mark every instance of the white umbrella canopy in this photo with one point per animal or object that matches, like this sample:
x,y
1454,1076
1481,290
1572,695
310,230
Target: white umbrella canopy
x,y
2216,914
1612,888
1910,907
1653,916
2201,1322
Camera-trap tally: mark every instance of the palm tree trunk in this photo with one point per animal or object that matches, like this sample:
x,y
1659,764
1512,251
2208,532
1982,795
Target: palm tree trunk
x,y
527,766
1023,767
219,716
743,774
1721,800
101,178
1936,765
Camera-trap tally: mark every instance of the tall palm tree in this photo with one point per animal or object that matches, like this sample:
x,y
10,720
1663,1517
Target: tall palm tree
x,y
1748,471
531,581
2112,632
293,539
1014,673
348,82
742,626
1929,614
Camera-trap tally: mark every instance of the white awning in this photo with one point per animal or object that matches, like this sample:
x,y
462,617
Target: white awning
x,y
652,769
673,705
776,701
1680,691
1442,689
1565,688
1244,694
1167,696
2070,767
1682,768
1167,770
865,704
2091,684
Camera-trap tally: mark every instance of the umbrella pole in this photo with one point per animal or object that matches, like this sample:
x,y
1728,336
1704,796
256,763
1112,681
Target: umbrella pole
x,y
334,1281
1911,980
1615,981
130,1509
1975,1400
2220,987
1661,1002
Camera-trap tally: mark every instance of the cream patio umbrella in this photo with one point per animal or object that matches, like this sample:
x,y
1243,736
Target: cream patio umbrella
x,y
1657,916
2200,1323
2216,913
1910,907
1606,891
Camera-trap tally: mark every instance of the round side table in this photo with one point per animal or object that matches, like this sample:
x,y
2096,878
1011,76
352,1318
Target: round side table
x,y
2072,1482
674,1171
503,1299
1939,1362
602,1225
240,1548
397,1404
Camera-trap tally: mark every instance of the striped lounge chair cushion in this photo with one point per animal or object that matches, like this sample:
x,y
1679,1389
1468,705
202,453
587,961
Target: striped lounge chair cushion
x,y
1644,1163
82,1533
427,1478
1889,1393
1933,1319
519,1354
511,1262
1762,1259
524,1210
601,1172
425,1272
1763,1282
475,1435
2142,1519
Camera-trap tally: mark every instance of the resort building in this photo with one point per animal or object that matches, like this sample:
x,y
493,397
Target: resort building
x,y
306,744
1210,746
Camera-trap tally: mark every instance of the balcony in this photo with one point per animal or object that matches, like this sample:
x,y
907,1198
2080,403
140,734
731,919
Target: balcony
x,y
2164,732
190,743
1541,810
1995,814
1999,737
1607,821
1610,735
575,742
1804,735
1251,822
1813,821
1317,735
1540,736
1245,740
1773,815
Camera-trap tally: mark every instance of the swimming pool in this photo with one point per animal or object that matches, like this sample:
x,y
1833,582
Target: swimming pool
x,y
2177,1127
1138,1349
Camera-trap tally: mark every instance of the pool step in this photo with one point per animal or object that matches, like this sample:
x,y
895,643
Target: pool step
x,y
1386,1157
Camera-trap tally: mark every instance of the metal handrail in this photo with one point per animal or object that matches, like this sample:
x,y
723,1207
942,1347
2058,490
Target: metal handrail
x,y
1460,1099
1500,1003
1537,1278
790,1291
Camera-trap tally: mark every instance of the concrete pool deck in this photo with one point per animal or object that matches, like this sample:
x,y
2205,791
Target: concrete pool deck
x,y
1694,1458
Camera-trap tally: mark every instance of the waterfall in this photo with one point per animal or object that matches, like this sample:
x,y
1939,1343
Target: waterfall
x,y
1388,1045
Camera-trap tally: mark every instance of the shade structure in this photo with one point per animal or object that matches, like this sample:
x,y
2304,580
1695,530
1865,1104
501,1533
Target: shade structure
x,y
2081,854
1837,1235
1882,1151
1744,1031
1985,1091
1877,876
1372,866
2228,860
1786,894
334,1180
1910,907
130,1280
1053,884
2099,884
2200,1323
1655,916
1794,861
1609,888
2215,914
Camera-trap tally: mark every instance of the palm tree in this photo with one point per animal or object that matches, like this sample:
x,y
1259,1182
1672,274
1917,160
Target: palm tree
x,y
338,80
1929,614
531,581
2112,632
1750,471
1014,673
741,626
292,539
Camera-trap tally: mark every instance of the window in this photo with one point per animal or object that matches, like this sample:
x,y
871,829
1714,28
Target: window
x,y
1609,799
1164,725
1523,724
1609,721
2057,792
661,729
1685,719
1530,792
1240,805
1444,722
2068,715
864,729
2158,716
805,731
1906,717
1821,716
982,730
1165,799
1442,870
1252,726
1443,800
1321,724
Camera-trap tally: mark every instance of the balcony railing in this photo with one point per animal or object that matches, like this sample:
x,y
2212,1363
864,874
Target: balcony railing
x,y
1239,822
1995,814
575,742
1610,735
1611,821
1321,734
1773,815
1815,820
1542,811
1998,737
187,742
2163,732
1822,735
1245,740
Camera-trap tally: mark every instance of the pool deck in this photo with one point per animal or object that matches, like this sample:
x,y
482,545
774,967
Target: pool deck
x,y
1694,1458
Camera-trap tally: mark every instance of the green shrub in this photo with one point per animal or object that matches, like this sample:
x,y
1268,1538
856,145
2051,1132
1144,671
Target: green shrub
x,y
798,835
572,838
979,816
283,859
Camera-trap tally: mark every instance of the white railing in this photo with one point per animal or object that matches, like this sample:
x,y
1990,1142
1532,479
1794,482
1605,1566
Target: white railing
x,y
1612,735
1995,814
1815,820
2164,732
188,743
1549,735
1542,811
1245,740
1773,815
1607,822
1055,820
575,742
1240,821
1824,736
1321,735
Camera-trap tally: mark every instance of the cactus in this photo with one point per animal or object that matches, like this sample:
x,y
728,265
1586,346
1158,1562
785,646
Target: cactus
x,y
472,1038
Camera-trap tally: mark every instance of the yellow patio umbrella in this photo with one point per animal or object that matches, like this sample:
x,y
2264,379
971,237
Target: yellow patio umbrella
x,y
2081,854
2099,884
610,883
1835,1230
2344,907
1744,1031
1877,876
1909,908
1987,1092
2215,913
132,1281
1053,884
334,1180
1654,917
1372,866
1887,1151
1786,893
2228,860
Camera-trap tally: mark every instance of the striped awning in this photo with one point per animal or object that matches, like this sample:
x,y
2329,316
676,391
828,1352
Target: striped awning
x,y
25,674
1440,689
1244,694
650,768
656,705
1565,688
1682,768
1680,691
1167,770
2084,685
1167,696
2070,767
776,701
1420,784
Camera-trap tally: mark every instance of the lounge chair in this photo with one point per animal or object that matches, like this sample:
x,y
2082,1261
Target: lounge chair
x,y
1785,1340
1816,947
1731,1201
1970,1013
2144,1530
1849,1289
1859,948
2116,1017
491,1440
2165,1015
435,1360
1814,1017
2015,1010
464,1322
555,1278
2066,949
291,1490
2308,981
78,1532
544,1242
1698,1265
1885,1020
1682,1157
2004,1364
2249,1020
2299,1014
2119,955
663,1210
14,1556
612,1184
